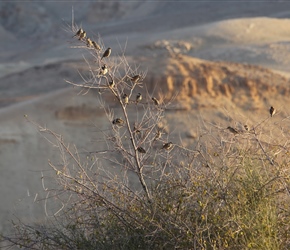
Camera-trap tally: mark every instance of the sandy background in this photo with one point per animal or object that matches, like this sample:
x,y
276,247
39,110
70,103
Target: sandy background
x,y
228,60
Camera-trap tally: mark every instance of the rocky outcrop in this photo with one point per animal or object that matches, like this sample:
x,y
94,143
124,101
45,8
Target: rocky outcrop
x,y
185,78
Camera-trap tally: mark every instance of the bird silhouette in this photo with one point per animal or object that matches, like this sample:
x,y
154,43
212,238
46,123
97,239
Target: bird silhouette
x,y
135,78
272,111
232,130
82,35
89,42
118,121
138,97
141,150
79,32
107,53
125,98
167,146
136,130
112,83
156,102
103,70
96,46
157,135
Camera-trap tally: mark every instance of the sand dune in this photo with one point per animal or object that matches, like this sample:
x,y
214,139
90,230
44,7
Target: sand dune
x,y
260,41
25,153
251,31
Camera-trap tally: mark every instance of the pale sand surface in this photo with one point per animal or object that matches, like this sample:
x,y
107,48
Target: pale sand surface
x,y
35,61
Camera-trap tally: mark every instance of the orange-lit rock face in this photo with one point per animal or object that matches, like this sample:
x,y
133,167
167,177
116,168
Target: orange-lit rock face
x,y
184,77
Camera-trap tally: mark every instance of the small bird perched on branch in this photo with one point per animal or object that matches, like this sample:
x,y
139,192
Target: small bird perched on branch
x,y
156,102
138,97
157,135
167,146
135,78
79,32
118,121
96,46
103,70
112,83
125,98
136,130
82,35
232,130
272,111
141,150
89,42
107,53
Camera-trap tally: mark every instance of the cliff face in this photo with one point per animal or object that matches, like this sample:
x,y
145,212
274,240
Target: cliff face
x,y
187,78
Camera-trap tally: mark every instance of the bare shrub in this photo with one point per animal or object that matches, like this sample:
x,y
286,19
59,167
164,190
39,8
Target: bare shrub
x,y
228,191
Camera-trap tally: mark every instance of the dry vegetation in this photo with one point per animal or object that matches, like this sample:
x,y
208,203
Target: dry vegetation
x,y
228,190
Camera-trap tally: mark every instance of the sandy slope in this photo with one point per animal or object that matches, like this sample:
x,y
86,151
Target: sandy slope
x,y
23,149
164,37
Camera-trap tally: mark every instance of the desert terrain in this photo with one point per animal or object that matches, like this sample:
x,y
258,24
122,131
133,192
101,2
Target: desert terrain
x,y
222,63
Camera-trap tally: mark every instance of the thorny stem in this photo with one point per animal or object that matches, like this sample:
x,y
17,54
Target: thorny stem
x,y
260,145
270,160
136,156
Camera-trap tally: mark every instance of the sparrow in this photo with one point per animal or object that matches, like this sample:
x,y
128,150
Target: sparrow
x,y
272,111
111,84
156,102
135,78
96,46
141,150
233,130
103,70
137,133
167,146
157,135
107,53
89,42
136,130
125,98
138,97
118,121
79,32
82,35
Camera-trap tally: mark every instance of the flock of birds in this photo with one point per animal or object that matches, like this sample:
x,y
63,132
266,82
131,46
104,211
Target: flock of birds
x,y
82,36
272,111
